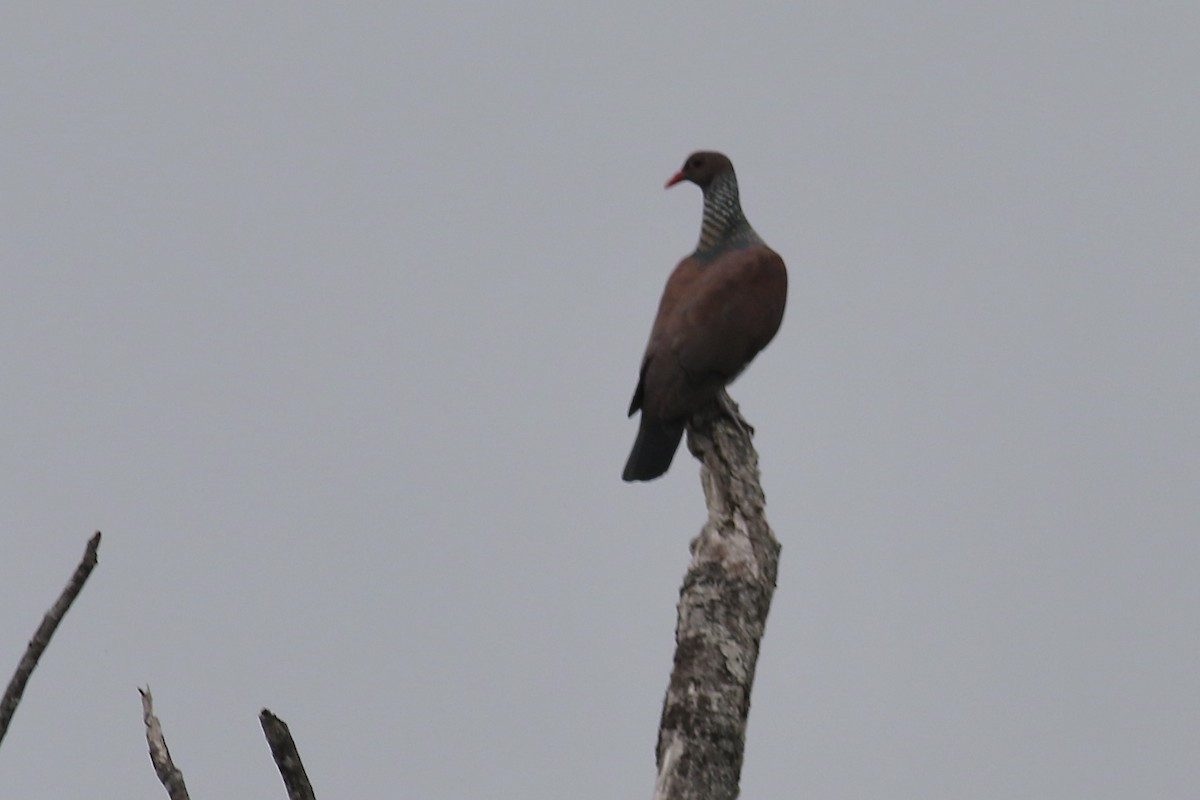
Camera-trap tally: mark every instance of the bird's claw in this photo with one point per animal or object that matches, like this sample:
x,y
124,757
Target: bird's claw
x,y
730,409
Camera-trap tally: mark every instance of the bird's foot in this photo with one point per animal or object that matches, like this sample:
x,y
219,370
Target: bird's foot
x,y
730,409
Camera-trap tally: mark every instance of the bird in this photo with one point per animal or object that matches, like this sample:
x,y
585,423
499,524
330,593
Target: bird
x,y
722,304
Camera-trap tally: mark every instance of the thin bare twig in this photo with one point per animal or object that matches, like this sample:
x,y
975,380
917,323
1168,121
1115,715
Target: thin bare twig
x,y
37,645
287,757
723,609
160,756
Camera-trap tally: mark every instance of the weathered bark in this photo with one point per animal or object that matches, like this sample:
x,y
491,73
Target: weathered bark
x,y
723,607
287,757
283,748
37,645
160,756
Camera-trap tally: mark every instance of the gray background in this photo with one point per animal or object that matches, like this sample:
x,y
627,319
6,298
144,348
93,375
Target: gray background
x,y
329,320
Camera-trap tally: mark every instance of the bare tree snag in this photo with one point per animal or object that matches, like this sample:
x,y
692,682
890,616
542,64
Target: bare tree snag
x,y
37,645
287,757
160,756
723,607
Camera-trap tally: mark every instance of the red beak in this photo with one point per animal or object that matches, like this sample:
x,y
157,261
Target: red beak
x,y
674,179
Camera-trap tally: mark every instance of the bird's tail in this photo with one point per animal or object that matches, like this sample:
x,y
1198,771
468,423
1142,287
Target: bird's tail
x,y
656,443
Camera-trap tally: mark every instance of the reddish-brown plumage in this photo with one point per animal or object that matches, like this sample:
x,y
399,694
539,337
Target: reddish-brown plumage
x,y
721,305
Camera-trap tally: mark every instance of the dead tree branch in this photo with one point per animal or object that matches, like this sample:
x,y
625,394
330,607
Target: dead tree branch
x,y
287,757
160,756
723,607
37,645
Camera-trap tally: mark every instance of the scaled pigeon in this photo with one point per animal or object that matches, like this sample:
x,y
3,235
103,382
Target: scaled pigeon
x,y
721,305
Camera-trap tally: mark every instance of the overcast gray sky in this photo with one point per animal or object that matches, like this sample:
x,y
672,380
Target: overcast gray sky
x,y
329,318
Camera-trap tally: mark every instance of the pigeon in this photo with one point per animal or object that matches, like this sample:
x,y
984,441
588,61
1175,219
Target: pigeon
x,y
721,305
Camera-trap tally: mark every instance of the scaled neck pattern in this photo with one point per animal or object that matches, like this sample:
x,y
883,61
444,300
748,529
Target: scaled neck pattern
x,y
724,226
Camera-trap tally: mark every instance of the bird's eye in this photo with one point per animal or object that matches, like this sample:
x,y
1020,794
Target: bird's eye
x,y
697,163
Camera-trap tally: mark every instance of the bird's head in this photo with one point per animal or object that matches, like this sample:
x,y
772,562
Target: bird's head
x,y
701,168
